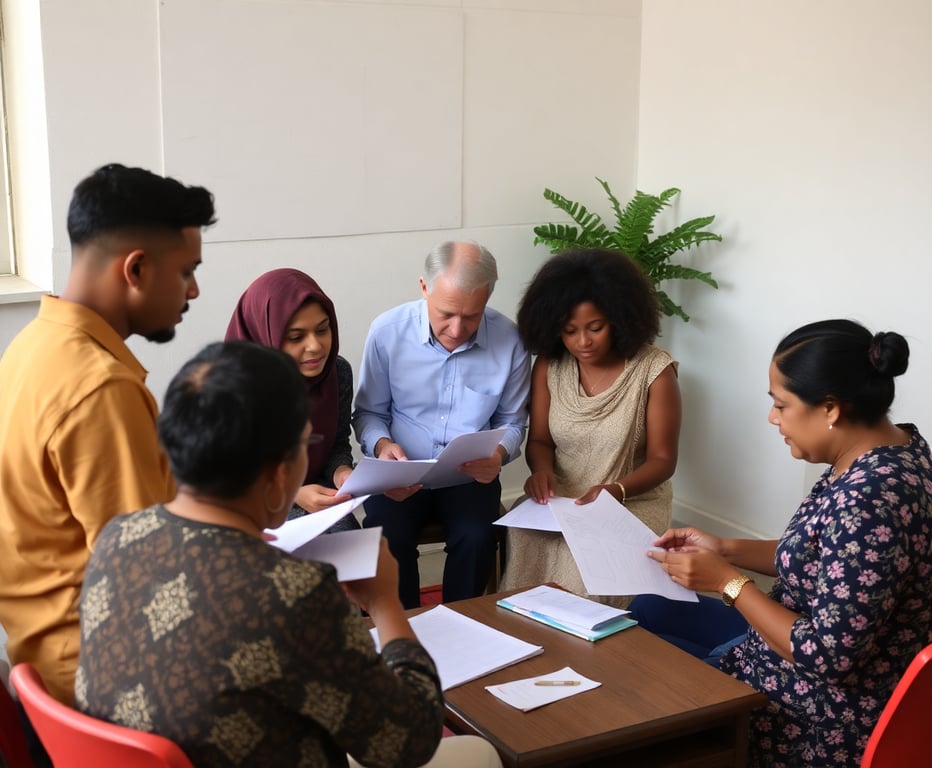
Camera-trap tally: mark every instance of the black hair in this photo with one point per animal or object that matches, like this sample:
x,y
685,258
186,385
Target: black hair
x,y
233,409
610,280
115,197
841,360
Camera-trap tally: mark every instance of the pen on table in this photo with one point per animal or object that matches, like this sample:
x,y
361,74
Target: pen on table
x,y
556,682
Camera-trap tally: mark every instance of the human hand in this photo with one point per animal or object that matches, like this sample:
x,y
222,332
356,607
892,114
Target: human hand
x,y
314,498
381,589
541,486
340,474
484,470
400,494
387,450
688,539
701,570
593,493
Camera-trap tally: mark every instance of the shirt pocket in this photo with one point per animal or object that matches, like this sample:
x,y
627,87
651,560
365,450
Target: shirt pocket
x,y
477,409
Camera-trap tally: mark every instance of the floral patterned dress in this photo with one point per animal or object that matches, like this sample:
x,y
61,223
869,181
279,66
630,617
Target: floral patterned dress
x,y
856,563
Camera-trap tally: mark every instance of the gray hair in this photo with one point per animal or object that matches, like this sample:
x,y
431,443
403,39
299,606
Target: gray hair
x,y
468,271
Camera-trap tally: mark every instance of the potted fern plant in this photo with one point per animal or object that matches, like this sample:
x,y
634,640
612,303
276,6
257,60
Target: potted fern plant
x,y
631,234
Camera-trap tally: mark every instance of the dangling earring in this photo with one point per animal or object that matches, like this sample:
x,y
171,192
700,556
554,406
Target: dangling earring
x,y
276,509
830,426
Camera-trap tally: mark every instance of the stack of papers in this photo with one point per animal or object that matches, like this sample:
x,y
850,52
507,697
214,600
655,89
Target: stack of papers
x,y
463,648
609,544
377,476
567,612
355,554
533,692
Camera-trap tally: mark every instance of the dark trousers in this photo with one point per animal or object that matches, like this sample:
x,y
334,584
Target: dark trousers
x,y
466,513
706,629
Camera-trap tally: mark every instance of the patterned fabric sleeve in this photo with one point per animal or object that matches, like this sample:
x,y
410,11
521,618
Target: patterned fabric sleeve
x,y
863,557
383,710
342,453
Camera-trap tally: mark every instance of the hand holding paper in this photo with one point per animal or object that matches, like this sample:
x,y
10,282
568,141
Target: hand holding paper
x,y
377,476
609,545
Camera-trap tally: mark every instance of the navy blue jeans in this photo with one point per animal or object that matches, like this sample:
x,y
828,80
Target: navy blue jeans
x,y
707,629
466,513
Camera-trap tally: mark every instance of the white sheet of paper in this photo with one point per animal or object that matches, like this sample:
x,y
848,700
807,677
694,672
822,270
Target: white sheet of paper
x,y
565,607
530,514
478,445
377,476
463,648
355,554
526,695
609,545
295,533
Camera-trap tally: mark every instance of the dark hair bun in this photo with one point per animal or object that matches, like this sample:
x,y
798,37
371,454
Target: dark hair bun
x,y
889,354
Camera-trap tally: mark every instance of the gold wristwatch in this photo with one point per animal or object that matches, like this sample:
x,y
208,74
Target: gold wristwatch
x,y
733,589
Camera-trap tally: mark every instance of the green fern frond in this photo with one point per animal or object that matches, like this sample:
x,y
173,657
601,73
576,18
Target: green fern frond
x,y
589,222
679,272
634,225
670,307
681,238
637,219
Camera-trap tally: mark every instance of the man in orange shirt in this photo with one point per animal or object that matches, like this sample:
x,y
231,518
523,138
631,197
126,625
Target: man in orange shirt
x,y
78,441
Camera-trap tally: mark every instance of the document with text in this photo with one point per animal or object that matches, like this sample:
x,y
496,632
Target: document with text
x,y
464,649
609,545
355,554
530,514
377,476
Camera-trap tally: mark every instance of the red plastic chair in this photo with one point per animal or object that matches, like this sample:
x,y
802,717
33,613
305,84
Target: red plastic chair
x,y
75,740
13,747
901,737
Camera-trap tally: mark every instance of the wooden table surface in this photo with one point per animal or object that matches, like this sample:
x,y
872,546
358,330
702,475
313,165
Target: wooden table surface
x,y
667,706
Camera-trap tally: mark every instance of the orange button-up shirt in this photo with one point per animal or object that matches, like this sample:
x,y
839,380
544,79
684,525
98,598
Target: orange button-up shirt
x,y
78,445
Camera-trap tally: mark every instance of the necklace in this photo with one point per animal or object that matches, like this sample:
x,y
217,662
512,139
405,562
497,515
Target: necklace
x,y
593,387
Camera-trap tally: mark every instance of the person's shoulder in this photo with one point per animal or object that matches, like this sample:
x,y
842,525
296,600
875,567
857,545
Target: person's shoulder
x,y
501,325
398,315
343,367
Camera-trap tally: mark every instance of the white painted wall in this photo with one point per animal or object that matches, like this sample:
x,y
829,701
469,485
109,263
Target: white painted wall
x,y
344,138
806,127
803,126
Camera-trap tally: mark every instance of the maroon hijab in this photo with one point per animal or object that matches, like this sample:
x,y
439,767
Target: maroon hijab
x,y
262,315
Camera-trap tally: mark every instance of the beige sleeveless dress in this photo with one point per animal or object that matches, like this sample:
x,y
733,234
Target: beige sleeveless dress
x,y
598,440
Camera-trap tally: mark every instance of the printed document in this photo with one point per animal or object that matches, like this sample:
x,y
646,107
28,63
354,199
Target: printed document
x,y
463,648
609,545
530,514
355,554
377,476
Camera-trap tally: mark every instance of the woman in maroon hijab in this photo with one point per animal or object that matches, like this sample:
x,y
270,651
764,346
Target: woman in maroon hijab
x,y
287,310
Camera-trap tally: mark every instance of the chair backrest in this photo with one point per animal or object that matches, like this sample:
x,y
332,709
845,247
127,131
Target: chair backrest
x,y
13,747
74,740
899,739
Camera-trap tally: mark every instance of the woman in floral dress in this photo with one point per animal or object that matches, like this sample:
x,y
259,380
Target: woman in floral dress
x,y
851,604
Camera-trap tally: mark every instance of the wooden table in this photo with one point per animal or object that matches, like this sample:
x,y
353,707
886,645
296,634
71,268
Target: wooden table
x,y
657,706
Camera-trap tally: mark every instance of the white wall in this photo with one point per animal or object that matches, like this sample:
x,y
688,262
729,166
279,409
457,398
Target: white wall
x,y
344,138
805,126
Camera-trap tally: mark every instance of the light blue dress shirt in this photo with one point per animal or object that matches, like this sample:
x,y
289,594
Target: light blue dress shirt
x,y
419,395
